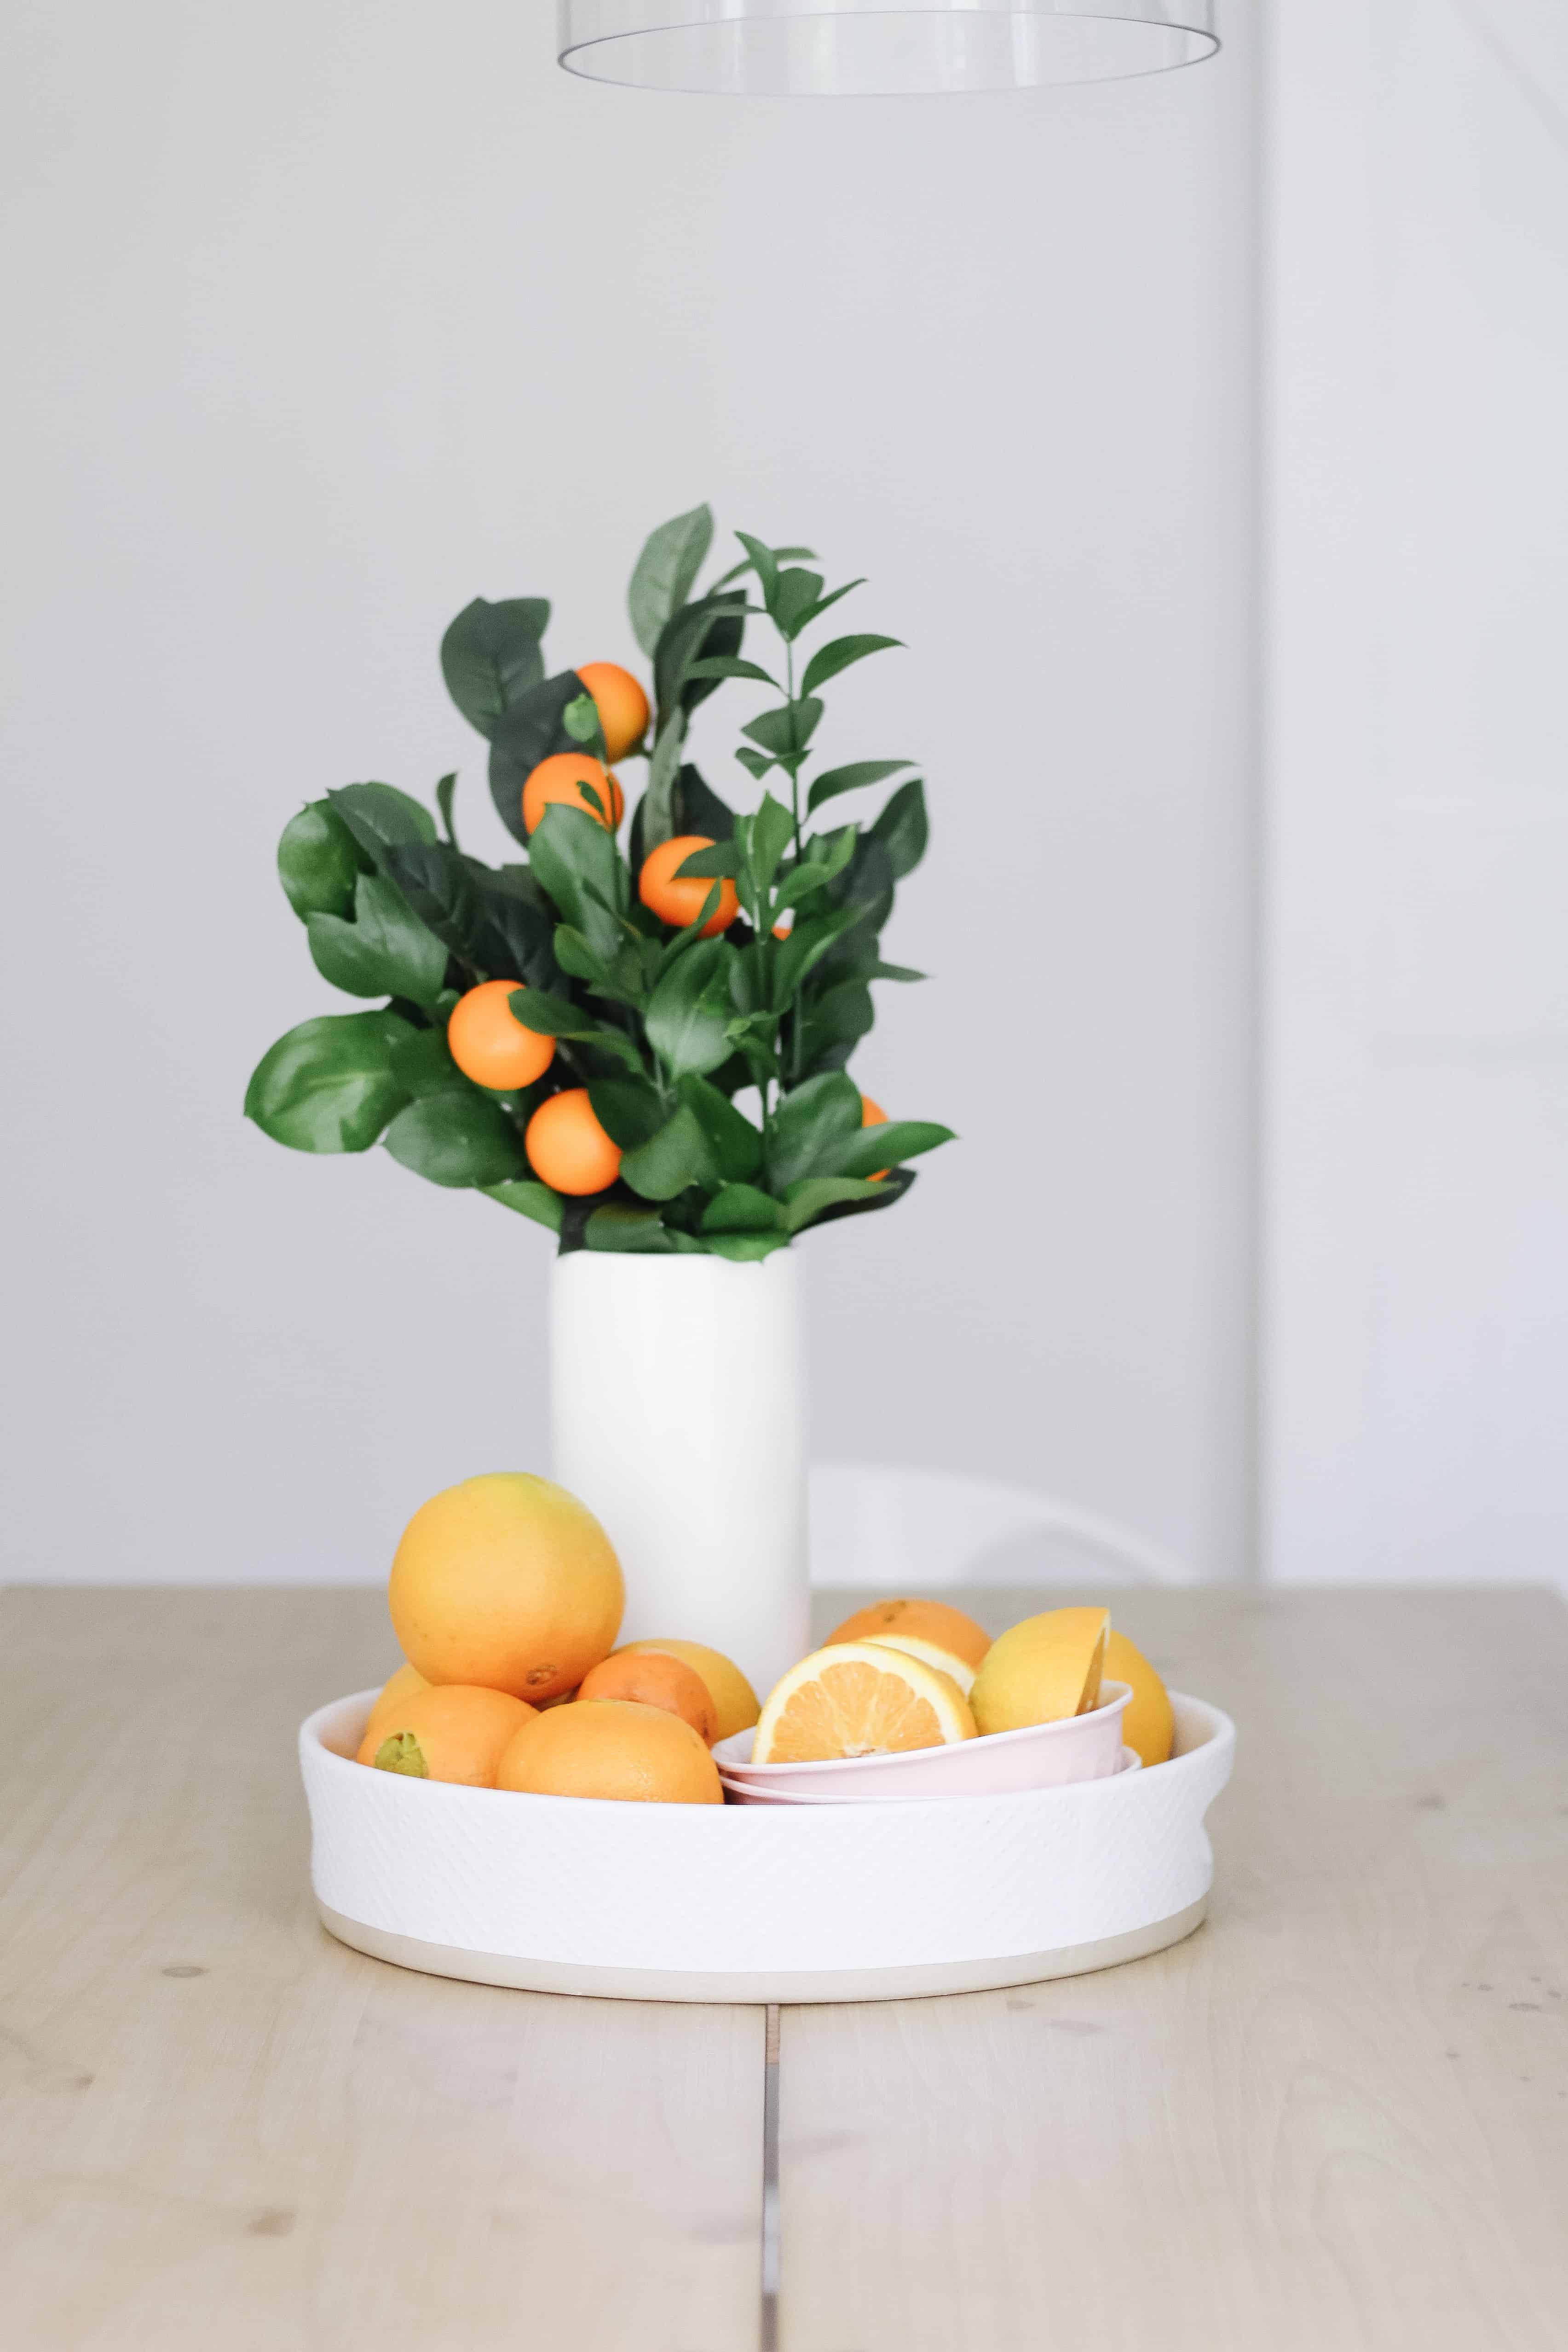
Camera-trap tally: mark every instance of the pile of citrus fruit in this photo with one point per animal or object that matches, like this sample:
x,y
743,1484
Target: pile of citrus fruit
x,y
506,1597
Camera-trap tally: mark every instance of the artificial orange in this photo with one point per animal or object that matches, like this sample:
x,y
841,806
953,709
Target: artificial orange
x,y
681,901
859,1699
455,1731
621,704
656,1679
489,1044
736,1704
509,1581
561,778
615,1747
567,1149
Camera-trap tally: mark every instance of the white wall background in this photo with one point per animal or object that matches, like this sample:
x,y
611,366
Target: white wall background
x,y
326,317
1417,1032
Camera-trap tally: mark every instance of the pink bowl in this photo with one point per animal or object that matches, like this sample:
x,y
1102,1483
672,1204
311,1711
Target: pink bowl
x,y
1044,1756
746,1793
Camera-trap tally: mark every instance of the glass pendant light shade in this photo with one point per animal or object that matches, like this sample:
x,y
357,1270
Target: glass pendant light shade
x,y
773,49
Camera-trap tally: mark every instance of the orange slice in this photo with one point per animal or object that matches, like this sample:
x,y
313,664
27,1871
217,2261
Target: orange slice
x,y
859,1699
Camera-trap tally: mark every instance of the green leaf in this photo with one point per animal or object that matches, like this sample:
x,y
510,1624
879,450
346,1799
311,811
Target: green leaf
x,y
812,937
811,1124
829,659
656,812
329,1084
886,1146
741,1209
865,892
688,1013
806,1200
832,856
880,970
491,655
704,631
787,732
736,1146
577,957
731,666
422,1065
437,883
676,1157
779,554
574,862
764,563
757,764
832,598
795,601
457,1139
630,1110
841,1015
531,728
520,917
528,1198
698,809
721,863
548,1016
903,828
580,721
624,1225
771,832
317,862
743,1247
446,792
664,572
849,779
385,952
380,817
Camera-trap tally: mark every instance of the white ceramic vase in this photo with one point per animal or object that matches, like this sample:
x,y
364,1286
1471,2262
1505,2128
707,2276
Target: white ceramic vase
x,y
678,1416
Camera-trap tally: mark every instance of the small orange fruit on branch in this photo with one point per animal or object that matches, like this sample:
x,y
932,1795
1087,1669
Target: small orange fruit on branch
x,y
680,900
561,778
567,1149
620,702
490,1045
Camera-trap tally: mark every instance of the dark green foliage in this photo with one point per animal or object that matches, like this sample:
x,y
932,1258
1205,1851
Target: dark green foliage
x,y
662,1026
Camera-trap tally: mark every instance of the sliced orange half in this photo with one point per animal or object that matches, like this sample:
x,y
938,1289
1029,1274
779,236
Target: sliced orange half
x,y
859,1699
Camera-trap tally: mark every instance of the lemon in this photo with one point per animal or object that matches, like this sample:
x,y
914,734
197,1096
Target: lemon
x,y
1047,1667
1147,1725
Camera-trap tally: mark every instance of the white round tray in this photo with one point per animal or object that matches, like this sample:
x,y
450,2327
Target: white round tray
x,y
733,1902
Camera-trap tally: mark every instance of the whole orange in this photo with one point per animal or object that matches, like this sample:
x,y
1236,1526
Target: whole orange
x,y
454,1731
509,1581
656,1679
489,1044
620,702
394,1692
561,778
935,1623
873,1115
681,902
567,1149
613,1747
735,1702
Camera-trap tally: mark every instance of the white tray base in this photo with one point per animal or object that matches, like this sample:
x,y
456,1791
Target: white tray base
x,y
787,1986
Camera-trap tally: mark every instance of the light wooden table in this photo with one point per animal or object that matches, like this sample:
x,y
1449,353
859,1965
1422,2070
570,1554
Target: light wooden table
x,y
1335,2120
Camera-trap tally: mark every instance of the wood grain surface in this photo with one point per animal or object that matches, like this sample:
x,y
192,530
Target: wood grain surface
x,y
1335,2120
222,2132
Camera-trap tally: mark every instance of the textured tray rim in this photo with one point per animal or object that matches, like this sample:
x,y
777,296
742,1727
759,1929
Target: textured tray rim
x,y
786,1987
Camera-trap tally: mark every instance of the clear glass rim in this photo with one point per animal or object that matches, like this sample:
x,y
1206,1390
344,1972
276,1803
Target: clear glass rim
x,y
611,41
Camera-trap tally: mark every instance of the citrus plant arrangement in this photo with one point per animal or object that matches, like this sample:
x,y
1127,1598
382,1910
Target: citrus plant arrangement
x,y
569,1034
